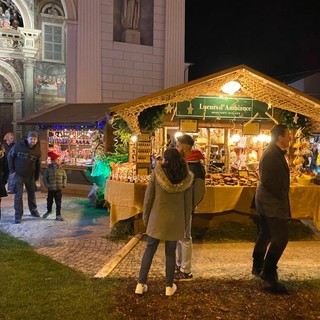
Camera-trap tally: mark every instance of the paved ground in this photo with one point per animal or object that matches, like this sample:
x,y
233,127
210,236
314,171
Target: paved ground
x,y
81,242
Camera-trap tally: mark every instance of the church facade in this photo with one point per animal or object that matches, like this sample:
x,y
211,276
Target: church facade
x,y
79,51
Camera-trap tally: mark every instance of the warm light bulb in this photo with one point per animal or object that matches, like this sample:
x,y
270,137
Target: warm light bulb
x,y
178,134
235,138
134,139
231,87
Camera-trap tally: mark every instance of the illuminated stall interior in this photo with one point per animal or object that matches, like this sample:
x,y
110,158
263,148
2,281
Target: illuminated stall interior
x,y
229,114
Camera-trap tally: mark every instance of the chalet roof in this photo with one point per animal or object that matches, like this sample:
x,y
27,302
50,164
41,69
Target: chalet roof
x,y
253,84
69,114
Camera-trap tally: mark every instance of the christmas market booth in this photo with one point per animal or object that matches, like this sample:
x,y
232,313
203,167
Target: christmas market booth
x,y
78,132
229,114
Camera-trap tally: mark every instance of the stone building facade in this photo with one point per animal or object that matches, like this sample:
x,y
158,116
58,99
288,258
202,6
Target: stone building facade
x,y
80,51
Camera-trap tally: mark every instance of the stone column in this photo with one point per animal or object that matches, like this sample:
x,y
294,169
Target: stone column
x,y
17,114
29,65
29,51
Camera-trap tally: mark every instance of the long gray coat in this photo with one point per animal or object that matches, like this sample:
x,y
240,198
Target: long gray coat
x,y
167,207
272,195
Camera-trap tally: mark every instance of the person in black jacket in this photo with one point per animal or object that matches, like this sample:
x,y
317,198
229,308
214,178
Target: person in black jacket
x,y
272,205
24,161
4,173
8,143
184,246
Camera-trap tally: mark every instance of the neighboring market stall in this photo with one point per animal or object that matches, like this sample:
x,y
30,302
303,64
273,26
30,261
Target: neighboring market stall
x,y
76,132
231,129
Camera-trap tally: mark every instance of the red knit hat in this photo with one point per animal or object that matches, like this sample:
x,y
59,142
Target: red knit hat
x,y
53,155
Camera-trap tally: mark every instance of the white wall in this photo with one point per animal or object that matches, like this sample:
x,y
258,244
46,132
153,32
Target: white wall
x,y
309,85
129,70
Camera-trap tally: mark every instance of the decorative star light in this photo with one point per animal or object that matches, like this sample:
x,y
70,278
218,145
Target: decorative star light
x,y
269,106
295,118
169,108
190,109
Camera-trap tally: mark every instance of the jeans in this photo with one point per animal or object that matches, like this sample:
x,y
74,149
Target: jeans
x,y
273,231
18,194
10,182
170,251
184,251
57,196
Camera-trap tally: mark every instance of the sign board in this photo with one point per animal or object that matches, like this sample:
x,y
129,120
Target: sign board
x,y
251,128
224,108
188,125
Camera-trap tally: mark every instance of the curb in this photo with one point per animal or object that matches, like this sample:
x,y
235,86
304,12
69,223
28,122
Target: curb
x,y
118,257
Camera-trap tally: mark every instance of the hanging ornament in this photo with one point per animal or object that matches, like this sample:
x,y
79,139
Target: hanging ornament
x,y
295,118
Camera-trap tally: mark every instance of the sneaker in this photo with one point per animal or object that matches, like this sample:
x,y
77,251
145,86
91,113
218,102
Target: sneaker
x,y
141,288
171,290
46,214
182,276
59,218
35,214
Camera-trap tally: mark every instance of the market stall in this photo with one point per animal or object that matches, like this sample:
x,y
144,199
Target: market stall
x,y
75,131
231,128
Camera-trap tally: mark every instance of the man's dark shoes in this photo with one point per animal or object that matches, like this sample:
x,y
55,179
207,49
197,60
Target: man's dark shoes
x,y
272,280
17,220
59,218
46,214
35,214
256,270
278,287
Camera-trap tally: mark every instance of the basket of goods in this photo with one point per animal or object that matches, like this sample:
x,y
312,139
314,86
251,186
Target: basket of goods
x,y
304,179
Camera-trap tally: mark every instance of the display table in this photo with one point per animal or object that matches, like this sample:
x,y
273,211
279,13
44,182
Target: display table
x,y
126,200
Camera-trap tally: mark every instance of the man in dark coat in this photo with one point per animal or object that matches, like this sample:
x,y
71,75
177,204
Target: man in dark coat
x,y
24,162
272,205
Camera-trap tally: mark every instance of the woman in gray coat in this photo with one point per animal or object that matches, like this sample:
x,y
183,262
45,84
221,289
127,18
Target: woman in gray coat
x,y
166,213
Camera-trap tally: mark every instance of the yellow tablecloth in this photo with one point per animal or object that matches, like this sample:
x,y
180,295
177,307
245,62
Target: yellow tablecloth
x,y
126,200
305,202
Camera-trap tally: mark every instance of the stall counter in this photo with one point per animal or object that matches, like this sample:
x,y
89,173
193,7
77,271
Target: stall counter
x,y
126,200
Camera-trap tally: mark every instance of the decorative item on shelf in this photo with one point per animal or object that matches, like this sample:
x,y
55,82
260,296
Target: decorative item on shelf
x,y
304,179
301,152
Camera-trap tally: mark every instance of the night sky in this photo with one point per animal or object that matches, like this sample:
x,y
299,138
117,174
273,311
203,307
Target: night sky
x,y
278,38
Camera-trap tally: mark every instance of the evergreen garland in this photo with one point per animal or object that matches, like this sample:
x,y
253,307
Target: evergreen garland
x,y
287,118
149,120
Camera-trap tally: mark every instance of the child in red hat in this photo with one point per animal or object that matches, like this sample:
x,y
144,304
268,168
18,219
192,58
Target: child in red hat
x,y
55,179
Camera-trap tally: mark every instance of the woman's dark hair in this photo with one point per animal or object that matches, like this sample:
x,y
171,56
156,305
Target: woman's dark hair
x,y
277,131
175,167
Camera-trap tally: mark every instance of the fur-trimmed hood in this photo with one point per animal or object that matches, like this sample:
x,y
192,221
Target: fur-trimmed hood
x,y
167,185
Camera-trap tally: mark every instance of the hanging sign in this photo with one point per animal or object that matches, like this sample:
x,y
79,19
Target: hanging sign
x,y
224,108
188,125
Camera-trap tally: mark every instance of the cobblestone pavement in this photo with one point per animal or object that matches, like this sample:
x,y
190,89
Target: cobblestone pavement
x,y
81,242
